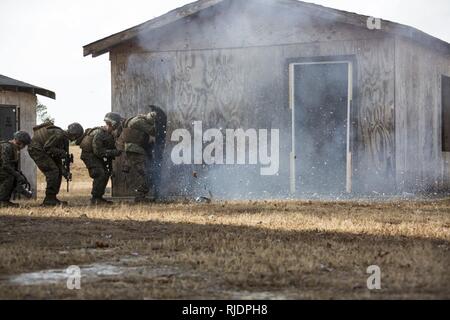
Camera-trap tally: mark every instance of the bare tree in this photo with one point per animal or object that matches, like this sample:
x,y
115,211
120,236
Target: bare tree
x,y
42,113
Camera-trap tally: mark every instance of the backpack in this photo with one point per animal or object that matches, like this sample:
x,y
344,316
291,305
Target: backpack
x,y
41,134
86,140
132,135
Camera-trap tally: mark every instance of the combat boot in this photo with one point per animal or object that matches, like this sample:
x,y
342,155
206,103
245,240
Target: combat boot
x,y
8,204
52,201
98,201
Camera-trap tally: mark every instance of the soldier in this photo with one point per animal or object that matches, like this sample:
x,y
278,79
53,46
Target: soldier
x,y
136,137
114,120
9,164
50,144
98,150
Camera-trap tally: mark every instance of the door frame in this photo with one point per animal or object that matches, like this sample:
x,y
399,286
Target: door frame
x,y
349,158
17,112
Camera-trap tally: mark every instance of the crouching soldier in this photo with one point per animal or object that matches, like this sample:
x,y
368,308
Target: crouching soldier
x,y
136,138
10,176
98,150
49,146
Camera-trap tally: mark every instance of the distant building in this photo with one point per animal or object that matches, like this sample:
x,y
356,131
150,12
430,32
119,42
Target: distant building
x,y
18,112
362,104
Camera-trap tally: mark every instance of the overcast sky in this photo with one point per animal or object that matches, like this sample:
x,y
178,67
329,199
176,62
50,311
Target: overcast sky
x,y
41,42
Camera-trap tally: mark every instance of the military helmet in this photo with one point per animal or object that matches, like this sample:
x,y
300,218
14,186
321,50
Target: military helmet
x,y
113,118
75,130
22,137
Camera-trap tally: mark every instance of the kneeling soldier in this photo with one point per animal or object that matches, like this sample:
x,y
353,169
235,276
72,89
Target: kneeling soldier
x,y
98,150
49,146
136,140
10,176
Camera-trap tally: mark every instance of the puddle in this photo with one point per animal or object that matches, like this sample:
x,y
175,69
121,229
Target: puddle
x,y
120,271
41,277
92,272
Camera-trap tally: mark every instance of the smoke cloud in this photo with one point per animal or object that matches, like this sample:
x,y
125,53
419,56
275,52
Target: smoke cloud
x,y
227,67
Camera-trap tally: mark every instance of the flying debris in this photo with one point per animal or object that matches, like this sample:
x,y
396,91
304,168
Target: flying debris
x,y
203,200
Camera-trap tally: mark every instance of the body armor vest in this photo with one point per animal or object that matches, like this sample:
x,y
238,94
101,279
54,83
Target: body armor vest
x,y
86,141
41,134
131,135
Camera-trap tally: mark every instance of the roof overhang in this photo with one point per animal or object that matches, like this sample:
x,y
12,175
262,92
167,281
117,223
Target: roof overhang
x,y
10,84
106,44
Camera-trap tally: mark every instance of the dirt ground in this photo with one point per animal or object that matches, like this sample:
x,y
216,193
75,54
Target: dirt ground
x,y
225,250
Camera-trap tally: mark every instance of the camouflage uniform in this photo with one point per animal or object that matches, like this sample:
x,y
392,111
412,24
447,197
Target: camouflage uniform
x,y
48,147
9,160
134,140
98,145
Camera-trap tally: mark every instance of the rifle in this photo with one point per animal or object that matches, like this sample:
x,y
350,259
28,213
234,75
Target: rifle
x,y
23,189
66,161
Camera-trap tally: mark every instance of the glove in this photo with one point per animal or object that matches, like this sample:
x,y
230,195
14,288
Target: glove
x,y
150,115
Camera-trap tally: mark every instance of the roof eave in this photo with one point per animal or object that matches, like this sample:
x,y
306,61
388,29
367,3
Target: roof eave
x,y
32,90
104,45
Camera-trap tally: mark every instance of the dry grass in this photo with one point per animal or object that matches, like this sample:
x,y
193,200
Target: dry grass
x,y
232,250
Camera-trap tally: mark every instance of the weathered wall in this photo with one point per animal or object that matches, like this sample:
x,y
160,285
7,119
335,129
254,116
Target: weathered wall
x,y
248,88
421,164
27,104
227,66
